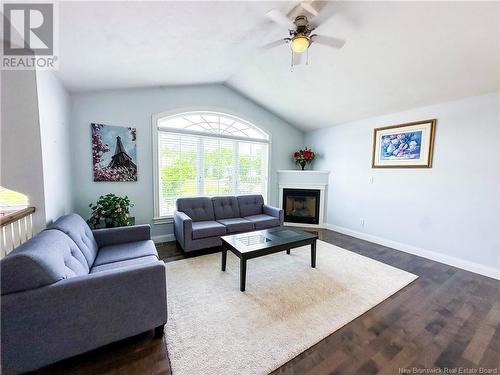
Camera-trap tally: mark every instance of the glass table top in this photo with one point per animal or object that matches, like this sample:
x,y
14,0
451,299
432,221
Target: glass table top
x,y
251,241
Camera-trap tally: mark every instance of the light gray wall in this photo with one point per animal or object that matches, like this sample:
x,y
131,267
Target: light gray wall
x,y
134,107
54,115
20,139
450,211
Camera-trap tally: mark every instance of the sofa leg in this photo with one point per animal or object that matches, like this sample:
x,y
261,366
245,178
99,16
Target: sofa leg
x,y
159,332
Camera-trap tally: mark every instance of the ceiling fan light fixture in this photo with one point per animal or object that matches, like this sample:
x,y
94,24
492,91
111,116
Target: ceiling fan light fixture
x,y
300,43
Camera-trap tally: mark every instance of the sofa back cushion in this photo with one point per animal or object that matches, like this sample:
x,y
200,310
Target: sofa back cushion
x,y
78,230
45,259
225,207
250,204
198,209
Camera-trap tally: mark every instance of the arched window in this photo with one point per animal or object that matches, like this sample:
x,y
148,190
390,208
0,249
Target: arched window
x,y
207,154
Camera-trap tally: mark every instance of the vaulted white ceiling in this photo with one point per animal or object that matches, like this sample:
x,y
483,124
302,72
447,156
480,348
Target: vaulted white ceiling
x,y
398,55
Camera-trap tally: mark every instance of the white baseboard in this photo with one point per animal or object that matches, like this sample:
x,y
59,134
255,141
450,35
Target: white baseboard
x,y
441,258
163,238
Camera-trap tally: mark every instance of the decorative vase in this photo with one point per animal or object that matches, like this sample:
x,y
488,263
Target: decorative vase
x,y
302,164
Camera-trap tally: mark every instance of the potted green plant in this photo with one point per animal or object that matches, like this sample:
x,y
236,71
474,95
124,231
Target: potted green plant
x,y
111,210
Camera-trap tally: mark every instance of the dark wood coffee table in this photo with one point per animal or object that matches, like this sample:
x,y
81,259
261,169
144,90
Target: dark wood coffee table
x,y
264,242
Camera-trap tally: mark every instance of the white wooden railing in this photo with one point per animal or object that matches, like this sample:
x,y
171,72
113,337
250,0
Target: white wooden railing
x,y
17,227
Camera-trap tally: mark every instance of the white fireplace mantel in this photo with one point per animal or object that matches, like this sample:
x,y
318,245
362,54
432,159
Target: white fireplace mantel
x,y
299,178
308,179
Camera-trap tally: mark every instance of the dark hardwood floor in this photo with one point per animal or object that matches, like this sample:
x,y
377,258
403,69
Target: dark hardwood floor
x,y
447,318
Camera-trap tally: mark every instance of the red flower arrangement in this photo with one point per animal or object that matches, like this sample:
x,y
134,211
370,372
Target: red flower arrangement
x,y
303,157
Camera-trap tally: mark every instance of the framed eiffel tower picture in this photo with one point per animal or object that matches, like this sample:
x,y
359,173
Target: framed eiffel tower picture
x,y
114,154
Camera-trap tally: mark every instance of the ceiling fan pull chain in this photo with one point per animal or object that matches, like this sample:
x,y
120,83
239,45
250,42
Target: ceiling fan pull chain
x,y
291,67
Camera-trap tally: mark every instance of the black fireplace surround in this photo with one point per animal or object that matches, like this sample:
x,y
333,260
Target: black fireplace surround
x,y
301,205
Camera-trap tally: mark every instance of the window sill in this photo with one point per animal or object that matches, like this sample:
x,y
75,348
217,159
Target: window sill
x,y
163,220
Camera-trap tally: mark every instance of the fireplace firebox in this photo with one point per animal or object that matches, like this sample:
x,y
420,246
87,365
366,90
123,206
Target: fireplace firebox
x,y
301,205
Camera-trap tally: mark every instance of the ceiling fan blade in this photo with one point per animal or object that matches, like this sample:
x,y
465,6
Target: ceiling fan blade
x,y
276,16
326,10
308,6
274,44
328,41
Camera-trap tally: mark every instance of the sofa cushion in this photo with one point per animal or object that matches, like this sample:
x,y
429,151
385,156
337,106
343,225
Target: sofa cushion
x,y
78,230
263,221
225,207
125,251
250,205
237,224
123,263
209,228
198,209
45,259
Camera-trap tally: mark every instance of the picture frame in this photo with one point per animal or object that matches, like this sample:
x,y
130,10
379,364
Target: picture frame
x,y
114,153
408,145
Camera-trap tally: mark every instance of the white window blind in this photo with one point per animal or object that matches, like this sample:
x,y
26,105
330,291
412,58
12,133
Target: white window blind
x,y
193,164
178,164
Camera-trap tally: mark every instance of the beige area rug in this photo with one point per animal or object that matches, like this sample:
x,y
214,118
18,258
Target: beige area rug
x,y
287,307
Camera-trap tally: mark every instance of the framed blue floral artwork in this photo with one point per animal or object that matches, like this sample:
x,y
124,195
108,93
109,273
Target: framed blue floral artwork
x,y
409,145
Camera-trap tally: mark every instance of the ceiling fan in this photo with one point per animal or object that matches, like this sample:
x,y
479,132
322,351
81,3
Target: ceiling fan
x,y
300,31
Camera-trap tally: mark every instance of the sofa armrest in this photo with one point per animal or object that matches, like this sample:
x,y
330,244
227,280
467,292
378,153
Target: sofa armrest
x,y
118,235
81,313
274,211
183,227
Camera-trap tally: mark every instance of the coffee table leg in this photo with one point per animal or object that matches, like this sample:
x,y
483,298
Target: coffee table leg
x,y
288,251
313,254
224,257
243,274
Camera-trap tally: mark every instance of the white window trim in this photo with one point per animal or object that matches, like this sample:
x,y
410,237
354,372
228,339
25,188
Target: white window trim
x,y
155,130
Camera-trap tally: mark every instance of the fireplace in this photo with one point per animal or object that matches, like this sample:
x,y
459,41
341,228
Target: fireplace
x,y
303,196
301,205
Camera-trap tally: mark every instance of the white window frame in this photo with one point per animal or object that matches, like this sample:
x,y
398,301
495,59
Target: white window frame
x,y
155,130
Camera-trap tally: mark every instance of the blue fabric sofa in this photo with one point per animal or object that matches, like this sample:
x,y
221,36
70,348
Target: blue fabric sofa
x,y
200,222
69,290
